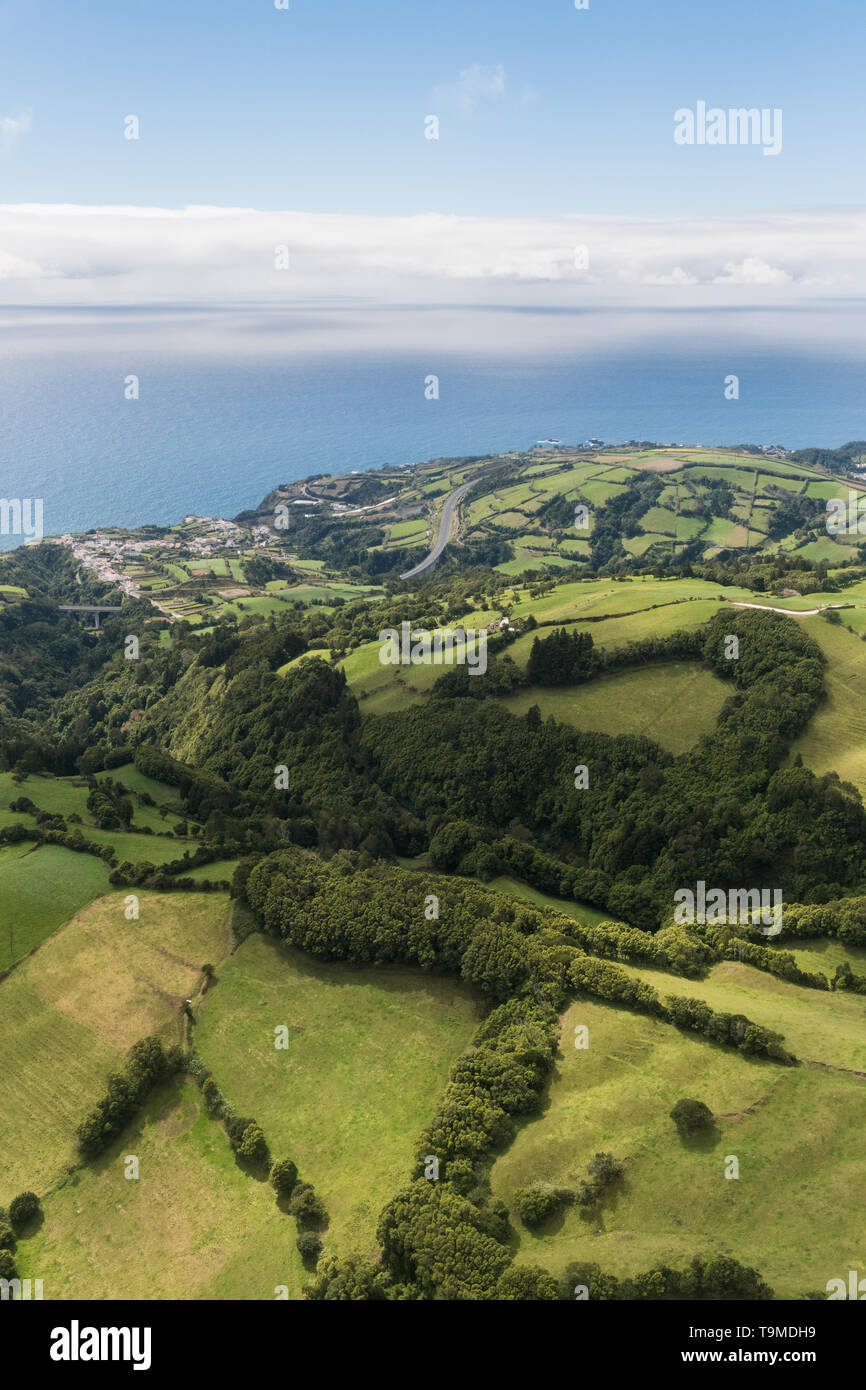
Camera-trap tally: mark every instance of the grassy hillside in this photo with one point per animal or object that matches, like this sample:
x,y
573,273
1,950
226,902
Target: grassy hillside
x,y
835,740
673,704
582,912
794,1132
194,1225
369,1052
67,796
41,886
819,1026
71,1011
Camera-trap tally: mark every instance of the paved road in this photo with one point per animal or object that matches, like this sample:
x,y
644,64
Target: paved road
x,y
444,531
790,612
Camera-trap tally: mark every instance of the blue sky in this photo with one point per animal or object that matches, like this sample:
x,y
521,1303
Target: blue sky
x,y
321,108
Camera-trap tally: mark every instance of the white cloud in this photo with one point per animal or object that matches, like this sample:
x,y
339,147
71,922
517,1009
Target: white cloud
x,y
11,127
753,271
474,85
62,254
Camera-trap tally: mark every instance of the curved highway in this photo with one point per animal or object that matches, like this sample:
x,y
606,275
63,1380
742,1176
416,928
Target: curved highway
x,y
444,531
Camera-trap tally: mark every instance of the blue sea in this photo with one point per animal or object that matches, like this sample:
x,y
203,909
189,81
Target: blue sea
x,y
233,401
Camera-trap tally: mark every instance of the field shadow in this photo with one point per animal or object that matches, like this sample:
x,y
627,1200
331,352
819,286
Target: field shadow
x,y
31,1227
256,1168
703,1140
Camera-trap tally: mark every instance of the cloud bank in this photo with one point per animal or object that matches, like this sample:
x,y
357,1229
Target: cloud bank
x,y
76,255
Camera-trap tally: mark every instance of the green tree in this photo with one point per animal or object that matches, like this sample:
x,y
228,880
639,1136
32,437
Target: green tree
x,y
253,1145
525,1283
309,1246
535,1204
306,1207
284,1175
691,1116
23,1208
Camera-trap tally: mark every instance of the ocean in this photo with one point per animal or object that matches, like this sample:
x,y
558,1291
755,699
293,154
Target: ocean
x,y
231,402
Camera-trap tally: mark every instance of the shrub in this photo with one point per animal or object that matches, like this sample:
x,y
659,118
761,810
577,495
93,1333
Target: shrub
x,y
525,1283
309,1245
690,1116
535,1204
461,1174
603,1169
7,1265
253,1144
211,1093
23,1208
284,1175
147,1064
7,1236
306,1207
236,1126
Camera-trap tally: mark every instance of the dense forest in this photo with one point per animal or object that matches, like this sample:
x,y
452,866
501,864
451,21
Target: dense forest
x,y
213,716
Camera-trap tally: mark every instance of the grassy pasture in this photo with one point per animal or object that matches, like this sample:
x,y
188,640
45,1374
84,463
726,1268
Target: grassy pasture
x,y
136,781
598,490
382,688
67,796
515,888
323,652
613,632
369,1053
638,545
660,519
795,1132
610,596
73,1008
835,738
194,1225
827,549
819,1026
823,954
41,886
673,704
416,527
59,795
139,849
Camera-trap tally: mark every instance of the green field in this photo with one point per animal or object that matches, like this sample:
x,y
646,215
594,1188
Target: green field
x,y
369,1053
194,1225
67,796
72,1009
136,781
835,738
218,870
323,652
672,704
581,912
41,886
794,1131
140,849
819,1026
